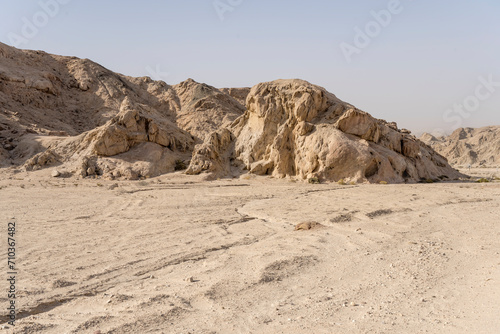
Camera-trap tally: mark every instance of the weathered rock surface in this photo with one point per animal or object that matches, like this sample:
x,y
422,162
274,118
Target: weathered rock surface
x,y
214,155
293,128
468,146
205,109
239,94
135,133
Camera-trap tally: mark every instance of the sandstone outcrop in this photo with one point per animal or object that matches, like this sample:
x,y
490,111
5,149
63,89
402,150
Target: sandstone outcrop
x,y
215,155
205,109
135,131
294,128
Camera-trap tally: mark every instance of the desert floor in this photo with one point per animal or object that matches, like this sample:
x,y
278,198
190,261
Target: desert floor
x,y
176,254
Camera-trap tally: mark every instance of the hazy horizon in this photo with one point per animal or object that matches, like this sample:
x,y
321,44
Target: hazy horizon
x,y
403,61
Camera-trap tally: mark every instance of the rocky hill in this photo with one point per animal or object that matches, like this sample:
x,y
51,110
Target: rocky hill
x,y
468,146
65,110
89,121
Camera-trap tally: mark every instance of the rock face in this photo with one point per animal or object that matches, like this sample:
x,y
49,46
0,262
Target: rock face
x,y
67,111
136,124
293,128
136,131
214,155
468,146
205,109
239,94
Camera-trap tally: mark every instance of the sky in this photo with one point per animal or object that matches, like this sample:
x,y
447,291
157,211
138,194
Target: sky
x,y
427,65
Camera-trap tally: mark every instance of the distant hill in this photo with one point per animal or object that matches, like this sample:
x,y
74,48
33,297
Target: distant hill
x,y
468,146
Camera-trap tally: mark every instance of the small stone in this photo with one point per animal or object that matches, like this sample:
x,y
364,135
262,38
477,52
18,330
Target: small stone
x,y
55,173
190,279
307,226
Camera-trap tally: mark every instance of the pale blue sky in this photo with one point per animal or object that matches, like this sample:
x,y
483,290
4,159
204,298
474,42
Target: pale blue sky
x,y
429,56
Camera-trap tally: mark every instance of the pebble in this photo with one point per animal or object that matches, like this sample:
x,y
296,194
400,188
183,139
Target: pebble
x,y
55,173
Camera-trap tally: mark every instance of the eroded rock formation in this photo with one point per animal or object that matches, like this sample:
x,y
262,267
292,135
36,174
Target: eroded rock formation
x,y
293,128
73,112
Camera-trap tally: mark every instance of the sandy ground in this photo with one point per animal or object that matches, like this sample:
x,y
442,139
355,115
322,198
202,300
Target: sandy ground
x,y
177,255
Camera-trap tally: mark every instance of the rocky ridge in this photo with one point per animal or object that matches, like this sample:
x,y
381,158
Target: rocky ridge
x,y
91,122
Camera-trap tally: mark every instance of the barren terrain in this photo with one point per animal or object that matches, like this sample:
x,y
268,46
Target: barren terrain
x,y
174,254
